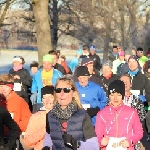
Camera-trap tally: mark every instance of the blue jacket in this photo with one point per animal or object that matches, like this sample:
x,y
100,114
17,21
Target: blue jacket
x,y
74,128
92,94
37,82
73,64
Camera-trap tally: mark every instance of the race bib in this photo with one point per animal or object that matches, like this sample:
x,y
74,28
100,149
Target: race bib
x,y
17,86
85,106
83,95
114,144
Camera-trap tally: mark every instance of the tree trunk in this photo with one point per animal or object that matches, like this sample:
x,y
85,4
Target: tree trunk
x,y
106,47
55,23
40,10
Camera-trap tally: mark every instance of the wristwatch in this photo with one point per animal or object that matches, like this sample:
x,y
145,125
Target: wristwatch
x,y
78,144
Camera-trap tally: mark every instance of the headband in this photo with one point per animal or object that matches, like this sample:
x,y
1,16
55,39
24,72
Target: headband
x,y
10,84
17,59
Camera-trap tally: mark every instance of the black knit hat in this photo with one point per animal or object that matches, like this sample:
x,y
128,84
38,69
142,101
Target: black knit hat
x,y
82,71
34,64
117,86
133,57
47,90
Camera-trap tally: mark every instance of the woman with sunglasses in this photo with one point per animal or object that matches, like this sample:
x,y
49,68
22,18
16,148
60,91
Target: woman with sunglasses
x,y
35,132
22,78
68,125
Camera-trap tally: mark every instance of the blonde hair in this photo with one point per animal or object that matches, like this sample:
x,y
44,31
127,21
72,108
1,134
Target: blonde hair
x,y
6,78
70,82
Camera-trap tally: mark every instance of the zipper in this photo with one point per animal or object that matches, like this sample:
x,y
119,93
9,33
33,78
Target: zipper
x,y
116,123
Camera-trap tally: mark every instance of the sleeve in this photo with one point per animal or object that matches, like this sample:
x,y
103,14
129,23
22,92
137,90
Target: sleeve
x,y
34,85
98,63
47,124
26,79
99,129
25,115
88,128
33,136
147,89
137,129
114,70
90,136
47,139
102,98
14,130
141,110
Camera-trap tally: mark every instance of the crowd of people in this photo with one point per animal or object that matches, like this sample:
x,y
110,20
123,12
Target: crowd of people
x,y
85,104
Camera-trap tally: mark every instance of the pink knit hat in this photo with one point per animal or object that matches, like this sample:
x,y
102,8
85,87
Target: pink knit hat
x,y
122,53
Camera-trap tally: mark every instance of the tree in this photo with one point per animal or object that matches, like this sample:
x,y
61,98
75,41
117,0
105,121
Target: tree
x,y
40,11
6,5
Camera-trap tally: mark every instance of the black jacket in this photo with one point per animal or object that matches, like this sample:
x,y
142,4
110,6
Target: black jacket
x,y
111,56
60,68
122,69
141,82
6,120
25,79
96,59
106,82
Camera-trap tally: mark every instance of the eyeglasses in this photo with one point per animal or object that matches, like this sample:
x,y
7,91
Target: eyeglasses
x,y
66,90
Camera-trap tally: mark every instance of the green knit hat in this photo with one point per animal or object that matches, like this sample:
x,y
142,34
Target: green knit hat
x,y
48,58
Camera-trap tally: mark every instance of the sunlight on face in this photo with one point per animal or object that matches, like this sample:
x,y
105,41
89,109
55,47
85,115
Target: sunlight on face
x,y
48,101
64,99
83,80
115,99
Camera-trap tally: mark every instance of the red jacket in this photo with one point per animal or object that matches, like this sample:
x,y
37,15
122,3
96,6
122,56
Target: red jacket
x,y
19,110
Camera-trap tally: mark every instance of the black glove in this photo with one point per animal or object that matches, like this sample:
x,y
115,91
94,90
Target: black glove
x,y
46,148
4,148
93,111
69,141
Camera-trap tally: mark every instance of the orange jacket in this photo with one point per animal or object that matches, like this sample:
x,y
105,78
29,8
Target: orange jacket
x,y
19,110
36,129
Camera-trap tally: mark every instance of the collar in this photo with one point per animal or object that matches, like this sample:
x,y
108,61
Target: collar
x,y
133,73
108,77
84,86
116,108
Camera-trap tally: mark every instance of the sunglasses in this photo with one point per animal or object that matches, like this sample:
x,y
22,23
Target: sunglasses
x,y
140,51
17,56
66,90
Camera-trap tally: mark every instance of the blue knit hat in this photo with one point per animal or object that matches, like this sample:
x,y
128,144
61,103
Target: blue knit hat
x,y
93,47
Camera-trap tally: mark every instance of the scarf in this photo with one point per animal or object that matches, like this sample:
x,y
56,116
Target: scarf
x,y
133,73
63,114
17,68
108,77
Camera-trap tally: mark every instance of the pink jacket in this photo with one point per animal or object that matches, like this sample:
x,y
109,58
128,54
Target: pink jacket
x,y
122,121
36,129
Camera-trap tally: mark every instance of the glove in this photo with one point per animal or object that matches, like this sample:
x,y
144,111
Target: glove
x,y
4,148
69,141
142,98
33,98
93,111
46,148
